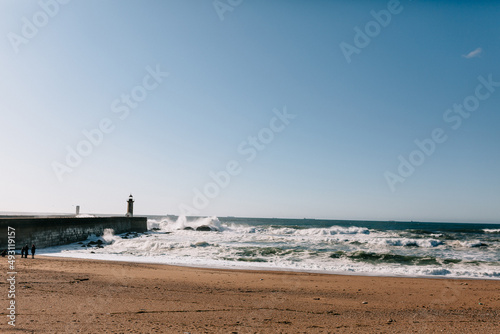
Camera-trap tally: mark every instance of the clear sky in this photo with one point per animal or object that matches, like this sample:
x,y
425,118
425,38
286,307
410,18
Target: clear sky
x,y
297,108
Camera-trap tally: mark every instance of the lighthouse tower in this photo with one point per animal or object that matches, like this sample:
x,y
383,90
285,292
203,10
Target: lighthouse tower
x,y
130,206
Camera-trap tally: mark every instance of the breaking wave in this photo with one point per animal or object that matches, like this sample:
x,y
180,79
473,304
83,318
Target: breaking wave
x,y
340,247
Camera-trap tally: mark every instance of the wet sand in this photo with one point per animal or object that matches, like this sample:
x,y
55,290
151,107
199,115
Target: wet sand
x,y
56,295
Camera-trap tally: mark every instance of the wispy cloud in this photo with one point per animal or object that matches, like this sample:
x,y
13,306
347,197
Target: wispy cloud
x,y
473,54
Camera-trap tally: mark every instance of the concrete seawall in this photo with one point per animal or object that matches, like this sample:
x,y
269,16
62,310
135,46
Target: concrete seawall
x,y
53,231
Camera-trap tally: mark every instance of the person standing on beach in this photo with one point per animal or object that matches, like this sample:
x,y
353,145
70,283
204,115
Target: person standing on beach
x,y
33,248
24,251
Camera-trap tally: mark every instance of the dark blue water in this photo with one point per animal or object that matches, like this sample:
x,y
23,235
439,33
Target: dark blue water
x,y
390,248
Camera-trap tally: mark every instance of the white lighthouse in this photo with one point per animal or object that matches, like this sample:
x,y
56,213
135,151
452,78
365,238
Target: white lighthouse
x,y
130,206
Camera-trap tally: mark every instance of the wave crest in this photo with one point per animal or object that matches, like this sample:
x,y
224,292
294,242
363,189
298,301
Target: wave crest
x,y
184,223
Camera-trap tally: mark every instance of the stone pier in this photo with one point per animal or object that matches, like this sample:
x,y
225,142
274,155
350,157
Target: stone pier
x,y
54,231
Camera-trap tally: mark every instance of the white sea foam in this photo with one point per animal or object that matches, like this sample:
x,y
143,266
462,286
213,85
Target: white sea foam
x,y
230,245
169,224
472,243
406,242
493,230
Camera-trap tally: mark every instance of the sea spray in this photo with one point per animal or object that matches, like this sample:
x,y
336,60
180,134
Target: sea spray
x,y
343,247
169,224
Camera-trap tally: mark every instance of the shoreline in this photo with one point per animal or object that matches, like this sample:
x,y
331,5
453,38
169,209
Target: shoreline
x,y
278,270
372,250
58,294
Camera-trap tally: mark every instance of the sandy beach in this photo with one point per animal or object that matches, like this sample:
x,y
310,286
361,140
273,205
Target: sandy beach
x,y
62,295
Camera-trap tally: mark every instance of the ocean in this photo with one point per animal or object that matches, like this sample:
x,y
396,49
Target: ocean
x,y
414,249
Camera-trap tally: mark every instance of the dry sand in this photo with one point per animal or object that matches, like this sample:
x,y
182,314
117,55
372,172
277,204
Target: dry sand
x,y
55,295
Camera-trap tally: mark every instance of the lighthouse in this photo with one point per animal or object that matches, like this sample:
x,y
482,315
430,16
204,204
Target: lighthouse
x,y
130,206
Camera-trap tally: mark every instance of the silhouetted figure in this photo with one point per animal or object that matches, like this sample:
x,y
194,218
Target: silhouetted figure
x,y
33,248
26,248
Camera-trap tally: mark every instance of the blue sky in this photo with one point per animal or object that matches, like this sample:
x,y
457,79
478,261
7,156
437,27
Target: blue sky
x,y
68,67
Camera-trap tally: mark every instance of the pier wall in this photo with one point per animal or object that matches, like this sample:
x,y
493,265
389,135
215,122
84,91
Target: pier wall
x,y
54,231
